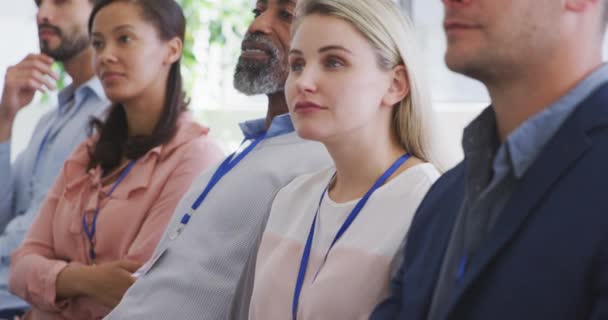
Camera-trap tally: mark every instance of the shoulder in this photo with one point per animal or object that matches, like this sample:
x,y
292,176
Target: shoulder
x,y
303,189
76,165
452,180
305,183
81,154
191,139
292,153
446,191
419,176
298,199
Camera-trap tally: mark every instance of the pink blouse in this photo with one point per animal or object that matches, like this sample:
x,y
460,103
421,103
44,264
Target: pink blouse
x,y
129,225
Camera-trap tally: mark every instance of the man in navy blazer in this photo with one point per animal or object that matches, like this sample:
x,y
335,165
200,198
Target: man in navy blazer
x,y
519,229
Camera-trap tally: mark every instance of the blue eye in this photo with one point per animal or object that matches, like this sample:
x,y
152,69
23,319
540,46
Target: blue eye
x,y
296,66
333,63
256,13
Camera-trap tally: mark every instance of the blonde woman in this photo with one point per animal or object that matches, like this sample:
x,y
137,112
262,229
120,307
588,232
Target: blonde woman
x,y
332,237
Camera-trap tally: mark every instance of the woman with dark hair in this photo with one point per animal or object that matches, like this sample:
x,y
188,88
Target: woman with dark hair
x,y
116,193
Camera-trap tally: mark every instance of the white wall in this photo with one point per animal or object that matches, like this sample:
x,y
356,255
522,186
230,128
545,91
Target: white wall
x,y
457,99
18,36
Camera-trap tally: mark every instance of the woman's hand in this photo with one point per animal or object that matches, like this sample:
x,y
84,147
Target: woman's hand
x,y
110,281
106,283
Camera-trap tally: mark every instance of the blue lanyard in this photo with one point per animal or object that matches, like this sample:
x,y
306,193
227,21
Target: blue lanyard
x,y
462,267
228,164
349,220
90,233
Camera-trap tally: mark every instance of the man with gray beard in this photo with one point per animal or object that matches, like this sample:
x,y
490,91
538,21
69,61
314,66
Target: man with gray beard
x,y
63,37
204,264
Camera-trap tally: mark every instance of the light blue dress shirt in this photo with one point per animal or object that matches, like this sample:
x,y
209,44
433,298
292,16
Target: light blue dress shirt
x,y
24,184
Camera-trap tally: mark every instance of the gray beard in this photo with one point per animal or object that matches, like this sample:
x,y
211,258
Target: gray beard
x,y
253,77
259,78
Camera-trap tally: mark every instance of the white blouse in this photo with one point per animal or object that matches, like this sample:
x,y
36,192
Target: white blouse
x,y
355,277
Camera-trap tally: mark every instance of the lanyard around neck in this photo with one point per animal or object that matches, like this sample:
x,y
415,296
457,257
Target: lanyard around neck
x,y
349,220
90,233
228,164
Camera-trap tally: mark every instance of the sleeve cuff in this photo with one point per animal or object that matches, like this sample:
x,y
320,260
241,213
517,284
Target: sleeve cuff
x,y
50,289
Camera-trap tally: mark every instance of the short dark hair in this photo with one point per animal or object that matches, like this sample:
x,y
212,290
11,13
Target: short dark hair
x,y
114,143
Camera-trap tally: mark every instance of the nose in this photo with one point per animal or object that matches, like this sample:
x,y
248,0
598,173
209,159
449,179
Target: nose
x,y
45,13
306,81
262,24
105,55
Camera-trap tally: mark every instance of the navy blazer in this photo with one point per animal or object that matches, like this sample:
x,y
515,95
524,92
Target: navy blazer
x,y
547,256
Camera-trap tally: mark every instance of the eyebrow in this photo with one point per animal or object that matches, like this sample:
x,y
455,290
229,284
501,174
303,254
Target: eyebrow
x,y
323,49
281,2
121,27
116,29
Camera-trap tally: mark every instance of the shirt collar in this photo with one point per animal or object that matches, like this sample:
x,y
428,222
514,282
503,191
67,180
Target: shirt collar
x,y
280,125
480,143
527,141
91,87
76,174
480,136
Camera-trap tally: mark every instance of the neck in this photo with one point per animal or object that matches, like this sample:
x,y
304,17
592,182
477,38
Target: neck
x,y
515,100
360,159
276,107
144,111
80,67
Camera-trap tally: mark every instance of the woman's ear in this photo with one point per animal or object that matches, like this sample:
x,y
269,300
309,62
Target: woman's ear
x,y
174,53
399,88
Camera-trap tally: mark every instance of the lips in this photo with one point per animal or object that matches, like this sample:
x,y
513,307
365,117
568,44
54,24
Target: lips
x,y
111,76
307,107
45,33
249,45
253,49
455,25
47,30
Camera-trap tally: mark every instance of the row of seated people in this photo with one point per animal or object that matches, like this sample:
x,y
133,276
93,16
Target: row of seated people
x,y
122,206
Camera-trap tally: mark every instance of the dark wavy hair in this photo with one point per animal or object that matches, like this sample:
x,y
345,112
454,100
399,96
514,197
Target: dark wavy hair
x,y
114,142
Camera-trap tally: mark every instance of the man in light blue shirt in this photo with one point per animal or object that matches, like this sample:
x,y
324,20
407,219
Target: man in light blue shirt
x,y
63,37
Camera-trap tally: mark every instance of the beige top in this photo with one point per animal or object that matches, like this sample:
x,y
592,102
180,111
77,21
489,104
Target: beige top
x,y
355,277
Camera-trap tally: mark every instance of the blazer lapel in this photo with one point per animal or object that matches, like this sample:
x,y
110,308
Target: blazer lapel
x,y
558,156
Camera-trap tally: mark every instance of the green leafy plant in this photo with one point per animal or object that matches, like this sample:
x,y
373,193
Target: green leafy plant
x,y
217,20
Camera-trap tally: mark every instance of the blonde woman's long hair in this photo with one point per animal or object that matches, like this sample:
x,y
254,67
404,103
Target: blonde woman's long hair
x,y
392,35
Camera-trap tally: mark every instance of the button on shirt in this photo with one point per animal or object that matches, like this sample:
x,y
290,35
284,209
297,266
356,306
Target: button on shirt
x,y
207,272
24,184
493,171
